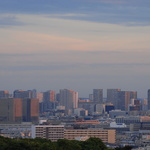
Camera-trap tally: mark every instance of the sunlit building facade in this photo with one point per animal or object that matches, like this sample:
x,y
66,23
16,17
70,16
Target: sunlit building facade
x,y
107,136
69,99
19,110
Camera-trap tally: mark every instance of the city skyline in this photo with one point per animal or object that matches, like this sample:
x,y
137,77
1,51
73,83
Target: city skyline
x,y
105,93
77,44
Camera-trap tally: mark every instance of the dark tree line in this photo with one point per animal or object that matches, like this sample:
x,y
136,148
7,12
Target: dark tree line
x,y
44,144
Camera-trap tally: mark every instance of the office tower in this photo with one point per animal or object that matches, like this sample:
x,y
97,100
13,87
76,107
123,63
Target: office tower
x,y
10,110
40,97
144,104
30,110
69,99
58,97
98,96
19,110
6,110
4,94
48,100
124,98
133,94
91,97
34,93
148,99
112,95
49,96
24,94
99,108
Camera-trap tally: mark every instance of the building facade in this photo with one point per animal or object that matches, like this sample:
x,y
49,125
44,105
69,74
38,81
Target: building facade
x,y
124,99
51,132
48,100
107,136
55,132
19,110
98,96
69,99
4,94
112,95
24,94
6,110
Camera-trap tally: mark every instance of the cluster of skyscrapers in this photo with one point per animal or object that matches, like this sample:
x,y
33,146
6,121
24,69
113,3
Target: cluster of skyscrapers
x,y
26,105
23,106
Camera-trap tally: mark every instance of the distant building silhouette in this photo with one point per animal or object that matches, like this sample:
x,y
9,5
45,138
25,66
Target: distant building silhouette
x,y
112,95
98,96
49,100
109,107
24,94
69,99
4,94
124,98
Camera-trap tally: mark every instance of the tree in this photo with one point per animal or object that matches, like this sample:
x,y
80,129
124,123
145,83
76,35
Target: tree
x,y
64,144
93,143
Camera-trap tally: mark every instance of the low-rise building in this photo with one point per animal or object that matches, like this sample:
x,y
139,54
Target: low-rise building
x,y
55,132
51,132
107,136
21,130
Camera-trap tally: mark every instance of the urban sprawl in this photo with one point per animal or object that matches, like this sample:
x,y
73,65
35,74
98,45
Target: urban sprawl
x,y
120,119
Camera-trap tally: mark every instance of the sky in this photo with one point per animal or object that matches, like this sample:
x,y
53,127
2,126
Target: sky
x,y
75,44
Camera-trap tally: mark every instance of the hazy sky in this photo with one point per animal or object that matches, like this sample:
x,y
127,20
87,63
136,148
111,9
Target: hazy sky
x,y
75,44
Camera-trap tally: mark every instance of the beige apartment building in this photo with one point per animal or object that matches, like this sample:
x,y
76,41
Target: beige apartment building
x,y
107,136
51,132
55,132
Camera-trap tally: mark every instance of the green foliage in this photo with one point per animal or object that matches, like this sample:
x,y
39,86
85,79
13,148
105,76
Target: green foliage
x,y
94,144
42,140
62,144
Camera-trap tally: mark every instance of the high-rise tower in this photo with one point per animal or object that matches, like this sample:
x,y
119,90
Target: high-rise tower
x,y
112,95
124,98
4,94
98,96
19,110
49,100
24,94
69,99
